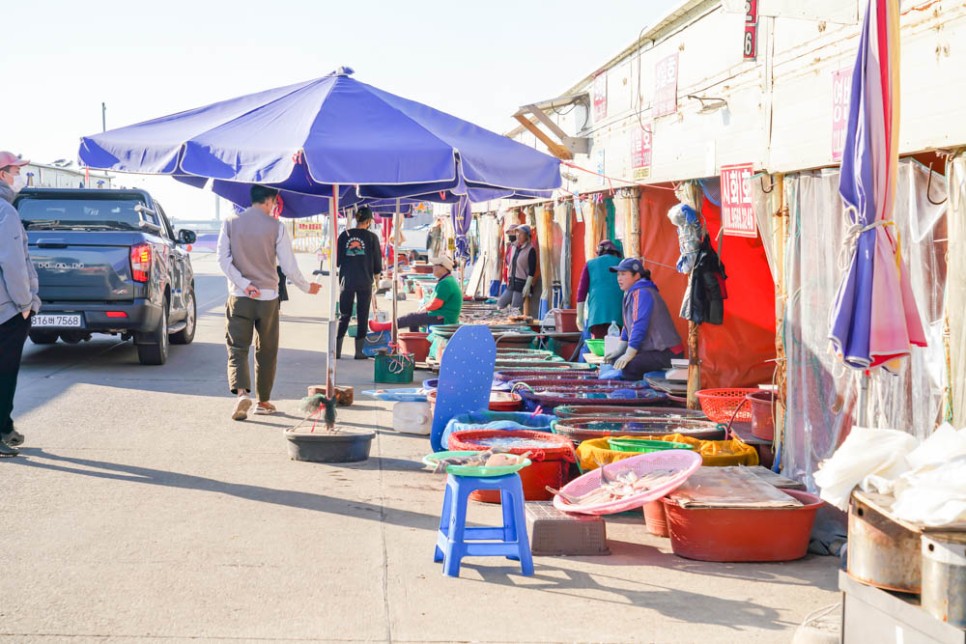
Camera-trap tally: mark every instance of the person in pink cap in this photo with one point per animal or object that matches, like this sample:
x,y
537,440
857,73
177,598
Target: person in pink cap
x,y
19,297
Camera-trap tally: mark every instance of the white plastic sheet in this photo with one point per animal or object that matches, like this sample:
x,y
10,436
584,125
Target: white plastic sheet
x,y
866,451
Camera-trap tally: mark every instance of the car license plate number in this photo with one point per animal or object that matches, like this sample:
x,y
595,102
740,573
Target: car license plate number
x,y
57,320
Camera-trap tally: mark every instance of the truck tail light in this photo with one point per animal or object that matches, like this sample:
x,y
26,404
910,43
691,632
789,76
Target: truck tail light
x,y
116,315
140,262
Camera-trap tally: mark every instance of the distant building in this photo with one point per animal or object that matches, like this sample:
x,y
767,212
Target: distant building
x,y
41,175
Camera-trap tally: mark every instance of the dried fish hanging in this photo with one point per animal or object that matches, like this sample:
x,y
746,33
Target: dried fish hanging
x,y
563,221
545,252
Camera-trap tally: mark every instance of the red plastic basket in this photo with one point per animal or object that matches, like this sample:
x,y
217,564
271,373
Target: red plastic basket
x,y
719,405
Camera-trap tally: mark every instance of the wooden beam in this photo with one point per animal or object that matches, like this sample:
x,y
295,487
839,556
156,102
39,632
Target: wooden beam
x,y
558,150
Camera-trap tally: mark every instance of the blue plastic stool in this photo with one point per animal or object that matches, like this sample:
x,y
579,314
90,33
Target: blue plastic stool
x,y
455,541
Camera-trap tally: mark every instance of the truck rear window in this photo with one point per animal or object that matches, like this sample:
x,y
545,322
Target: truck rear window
x,y
82,214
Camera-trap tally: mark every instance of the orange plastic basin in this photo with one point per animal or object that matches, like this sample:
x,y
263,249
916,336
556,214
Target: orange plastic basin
x,y
742,534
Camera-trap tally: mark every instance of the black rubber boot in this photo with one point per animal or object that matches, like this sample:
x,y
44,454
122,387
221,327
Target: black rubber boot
x,y
361,342
338,346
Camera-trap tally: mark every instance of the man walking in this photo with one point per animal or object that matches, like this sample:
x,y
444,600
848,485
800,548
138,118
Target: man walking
x,y
359,260
18,296
251,247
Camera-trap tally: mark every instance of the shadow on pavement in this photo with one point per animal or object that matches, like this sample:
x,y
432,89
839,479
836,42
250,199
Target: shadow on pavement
x,y
678,604
299,500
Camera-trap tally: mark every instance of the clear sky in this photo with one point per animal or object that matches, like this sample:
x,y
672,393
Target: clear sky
x,y
478,60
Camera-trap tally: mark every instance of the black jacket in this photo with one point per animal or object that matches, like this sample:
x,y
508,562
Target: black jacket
x,y
704,299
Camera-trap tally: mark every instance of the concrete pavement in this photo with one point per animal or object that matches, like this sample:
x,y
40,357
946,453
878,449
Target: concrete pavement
x,y
139,512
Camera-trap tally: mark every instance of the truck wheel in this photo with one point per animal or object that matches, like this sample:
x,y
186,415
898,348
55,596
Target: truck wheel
x,y
153,347
187,334
43,337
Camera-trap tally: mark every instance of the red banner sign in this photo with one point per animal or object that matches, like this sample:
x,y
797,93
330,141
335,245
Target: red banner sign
x,y
750,48
641,154
666,86
737,210
841,94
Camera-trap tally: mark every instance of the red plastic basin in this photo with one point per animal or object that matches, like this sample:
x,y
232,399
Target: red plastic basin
x,y
655,518
416,343
742,534
565,320
551,465
762,414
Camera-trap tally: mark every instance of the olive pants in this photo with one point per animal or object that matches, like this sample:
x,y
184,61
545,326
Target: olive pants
x,y
247,318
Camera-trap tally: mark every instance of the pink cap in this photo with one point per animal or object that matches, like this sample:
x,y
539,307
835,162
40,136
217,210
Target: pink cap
x,y
11,159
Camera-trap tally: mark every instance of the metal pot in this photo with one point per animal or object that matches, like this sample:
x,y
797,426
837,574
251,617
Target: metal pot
x,y
944,577
882,553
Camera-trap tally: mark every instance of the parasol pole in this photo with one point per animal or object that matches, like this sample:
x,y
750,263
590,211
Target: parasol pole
x,y
333,289
395,274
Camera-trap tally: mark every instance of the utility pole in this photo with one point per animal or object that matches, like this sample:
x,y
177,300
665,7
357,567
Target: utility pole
x,y
103,117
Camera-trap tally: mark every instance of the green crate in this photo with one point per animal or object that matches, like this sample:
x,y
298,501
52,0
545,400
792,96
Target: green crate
x,y
394,369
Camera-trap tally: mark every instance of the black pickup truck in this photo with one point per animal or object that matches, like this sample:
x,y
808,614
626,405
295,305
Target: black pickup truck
x,y
109,262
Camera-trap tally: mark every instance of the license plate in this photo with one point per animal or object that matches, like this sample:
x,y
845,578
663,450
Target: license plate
x,y
57,320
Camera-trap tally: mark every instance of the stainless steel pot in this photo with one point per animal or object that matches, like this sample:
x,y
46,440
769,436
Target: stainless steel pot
x,y
882,553
944,577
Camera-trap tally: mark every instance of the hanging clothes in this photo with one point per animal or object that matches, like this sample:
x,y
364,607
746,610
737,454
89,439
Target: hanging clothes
x,y
704,299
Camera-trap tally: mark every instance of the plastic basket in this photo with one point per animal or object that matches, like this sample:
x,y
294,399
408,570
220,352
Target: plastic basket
x,y
473,470
643,445
720,404
683,462
596,346
394,369
551,456
586,428
658,413
722,453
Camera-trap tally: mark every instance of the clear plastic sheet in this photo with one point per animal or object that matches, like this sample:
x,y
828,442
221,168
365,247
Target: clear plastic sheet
x,y
956,289
822,392
761,196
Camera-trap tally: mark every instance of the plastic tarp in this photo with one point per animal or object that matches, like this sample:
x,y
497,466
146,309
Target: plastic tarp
x,y
821,391
740,352
736,353
956,288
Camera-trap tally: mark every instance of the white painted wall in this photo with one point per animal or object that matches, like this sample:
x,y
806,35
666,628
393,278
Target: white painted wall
x,y
779,112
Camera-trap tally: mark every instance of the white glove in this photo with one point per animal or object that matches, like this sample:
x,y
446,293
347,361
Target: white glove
x,y
625,359
616,353
580,315
527,287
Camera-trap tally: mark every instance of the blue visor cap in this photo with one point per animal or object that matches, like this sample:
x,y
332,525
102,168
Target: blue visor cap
x,y
631,264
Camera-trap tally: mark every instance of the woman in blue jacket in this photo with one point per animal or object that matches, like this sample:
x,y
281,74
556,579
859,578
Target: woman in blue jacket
x,y
649,339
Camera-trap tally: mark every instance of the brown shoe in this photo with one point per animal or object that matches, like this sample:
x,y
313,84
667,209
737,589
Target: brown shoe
x,y
242,405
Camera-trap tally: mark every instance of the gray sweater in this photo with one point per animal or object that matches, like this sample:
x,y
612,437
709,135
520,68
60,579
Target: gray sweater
x,y
18,279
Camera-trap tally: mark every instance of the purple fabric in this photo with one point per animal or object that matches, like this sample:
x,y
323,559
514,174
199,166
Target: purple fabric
x,y
584,286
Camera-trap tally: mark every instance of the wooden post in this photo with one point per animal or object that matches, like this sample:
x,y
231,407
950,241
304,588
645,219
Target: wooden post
x,y
635,222
694,366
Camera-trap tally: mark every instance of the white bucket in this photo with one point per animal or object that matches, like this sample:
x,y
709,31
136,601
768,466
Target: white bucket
x,y
412,418
611,343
